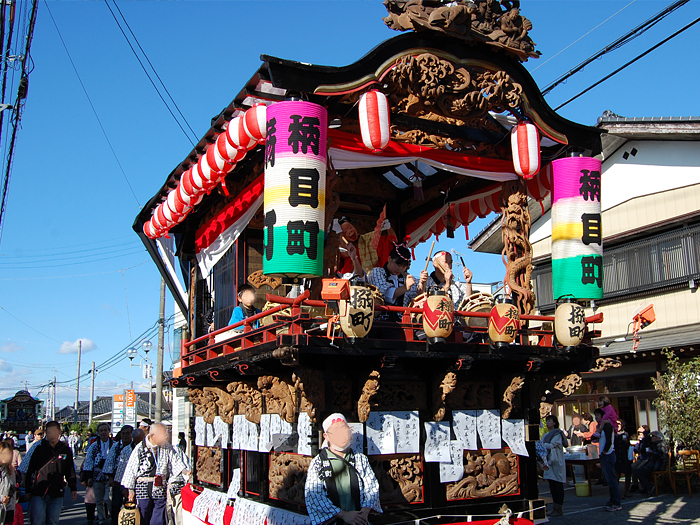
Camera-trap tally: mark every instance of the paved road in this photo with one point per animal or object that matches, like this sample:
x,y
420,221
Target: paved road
x,y
666,509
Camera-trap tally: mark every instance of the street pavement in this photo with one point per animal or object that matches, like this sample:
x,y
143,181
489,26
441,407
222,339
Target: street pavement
x,y
667,509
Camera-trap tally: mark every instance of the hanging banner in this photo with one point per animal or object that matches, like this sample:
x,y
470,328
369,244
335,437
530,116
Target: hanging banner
x,y
577,236
117,412
295,189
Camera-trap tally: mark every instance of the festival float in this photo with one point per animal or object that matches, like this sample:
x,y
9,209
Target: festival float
x,y
428,131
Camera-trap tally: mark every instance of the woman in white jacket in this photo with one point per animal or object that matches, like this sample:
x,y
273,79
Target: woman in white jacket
x,y
555,442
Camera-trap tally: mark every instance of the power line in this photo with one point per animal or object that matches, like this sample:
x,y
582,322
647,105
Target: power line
x,y
156,72
74,275
30,327
638,57
37,259
148,75
583,36
50,255
18,106
92,105
72,263
617,44
77,245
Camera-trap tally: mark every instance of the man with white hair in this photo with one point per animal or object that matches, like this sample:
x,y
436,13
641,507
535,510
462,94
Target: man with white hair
x,y
340,485
152,464
442,278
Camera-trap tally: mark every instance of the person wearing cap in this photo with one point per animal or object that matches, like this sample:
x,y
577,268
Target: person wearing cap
x,y
393,280
658,460
340,485
443,278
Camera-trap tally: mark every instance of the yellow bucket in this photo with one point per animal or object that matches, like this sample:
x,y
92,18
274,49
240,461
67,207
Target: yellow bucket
x,y
583,490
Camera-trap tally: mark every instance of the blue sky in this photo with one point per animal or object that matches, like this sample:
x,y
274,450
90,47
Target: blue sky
x,y
67,235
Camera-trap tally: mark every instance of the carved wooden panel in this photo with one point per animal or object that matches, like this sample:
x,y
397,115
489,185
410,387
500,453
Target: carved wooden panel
x,y
209,465
280,397
288,477
400,479
487,473
248,400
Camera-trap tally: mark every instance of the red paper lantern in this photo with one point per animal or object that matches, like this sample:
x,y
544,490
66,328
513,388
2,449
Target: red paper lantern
x,y
188,199
237,136
255,122
216,162
525,145
374,120
175,204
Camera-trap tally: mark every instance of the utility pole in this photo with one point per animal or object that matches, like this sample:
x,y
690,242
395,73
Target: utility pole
x,y
159,360
53,403
77,383
92,393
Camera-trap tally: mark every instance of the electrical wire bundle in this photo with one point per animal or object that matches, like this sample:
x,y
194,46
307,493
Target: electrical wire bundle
x,y
17,20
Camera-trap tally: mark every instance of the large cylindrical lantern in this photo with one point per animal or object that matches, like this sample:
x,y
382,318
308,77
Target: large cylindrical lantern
x,y
577,237
374,120
569,323
504,322
438,316
357,313
295,189
525,146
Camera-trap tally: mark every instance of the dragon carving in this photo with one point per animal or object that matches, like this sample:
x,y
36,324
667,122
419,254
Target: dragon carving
x,y
204,401
517,250
509,395
370,389
446,387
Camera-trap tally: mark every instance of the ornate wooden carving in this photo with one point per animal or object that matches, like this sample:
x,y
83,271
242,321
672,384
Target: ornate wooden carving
x,y
400,479
204,401
279,396
545,409
486,473
569,384
309,387
496,23
472,395
288,477
258,279
429,87
368,390
248,400
482,149
517,250
446,387
225,403
509,395
209,465
400,395
604,363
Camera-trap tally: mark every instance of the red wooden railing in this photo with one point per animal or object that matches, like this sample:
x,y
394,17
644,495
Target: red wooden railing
x,y
250,337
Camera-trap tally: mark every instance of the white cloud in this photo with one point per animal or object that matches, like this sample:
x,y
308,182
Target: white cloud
x,y
72,348
4,366
10,347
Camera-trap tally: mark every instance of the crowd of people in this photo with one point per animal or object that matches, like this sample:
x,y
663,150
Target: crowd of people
x,y
137,465
617,454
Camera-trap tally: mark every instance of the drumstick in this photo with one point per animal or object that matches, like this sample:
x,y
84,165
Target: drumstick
x,y
427,262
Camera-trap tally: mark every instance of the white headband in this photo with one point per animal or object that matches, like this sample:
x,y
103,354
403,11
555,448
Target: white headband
x,y
333,418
